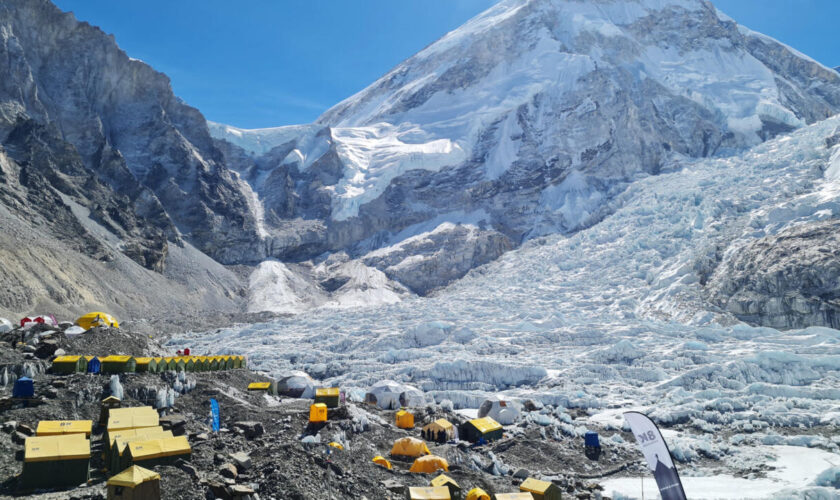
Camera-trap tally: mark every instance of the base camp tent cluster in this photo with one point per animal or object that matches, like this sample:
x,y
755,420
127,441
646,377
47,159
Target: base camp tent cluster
x,y
134,437
131,364
444,487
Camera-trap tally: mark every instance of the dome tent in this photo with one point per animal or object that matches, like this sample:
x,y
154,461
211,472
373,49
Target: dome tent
x,y
411,397
390,395
429,465
384,394
503,411
409,447
94,319
296,384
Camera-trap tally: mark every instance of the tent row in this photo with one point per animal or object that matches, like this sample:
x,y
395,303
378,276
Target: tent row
x,y
130,364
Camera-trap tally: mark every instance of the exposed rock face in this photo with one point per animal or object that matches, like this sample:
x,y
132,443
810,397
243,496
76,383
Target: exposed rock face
x,y
424,262
788,280
125,124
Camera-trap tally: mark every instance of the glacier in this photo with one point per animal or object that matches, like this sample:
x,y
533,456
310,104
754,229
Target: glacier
x,y
608,319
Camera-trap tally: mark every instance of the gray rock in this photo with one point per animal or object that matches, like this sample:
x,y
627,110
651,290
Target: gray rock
x,y
521,474
240,491
25,429
787,280
175,423
249,429
242,461
59,352
19,438
188,468
10,426
393,485
228,471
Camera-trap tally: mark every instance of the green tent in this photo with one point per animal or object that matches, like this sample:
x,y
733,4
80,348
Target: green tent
x,y
478,428
118,364
56,461
69,364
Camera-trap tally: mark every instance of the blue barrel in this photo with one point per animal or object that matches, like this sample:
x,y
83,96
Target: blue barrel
x,y
24,388
590,439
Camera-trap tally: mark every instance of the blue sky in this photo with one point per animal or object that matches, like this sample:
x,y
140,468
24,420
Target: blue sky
x,y
265,63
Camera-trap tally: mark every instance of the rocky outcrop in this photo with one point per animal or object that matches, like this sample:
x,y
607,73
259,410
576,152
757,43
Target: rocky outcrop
x,y
126,125
426,262
787,280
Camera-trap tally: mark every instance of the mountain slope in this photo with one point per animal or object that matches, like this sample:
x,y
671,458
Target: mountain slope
x,y
123,120
528,120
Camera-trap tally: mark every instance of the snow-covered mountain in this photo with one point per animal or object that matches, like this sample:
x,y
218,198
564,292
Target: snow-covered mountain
x,y
528,120
531,119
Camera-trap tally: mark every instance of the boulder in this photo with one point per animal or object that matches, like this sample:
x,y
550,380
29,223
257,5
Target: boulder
x,y
242,461
228,471
249,429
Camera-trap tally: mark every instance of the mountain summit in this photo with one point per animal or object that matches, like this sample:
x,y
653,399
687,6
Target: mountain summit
x,y
525,121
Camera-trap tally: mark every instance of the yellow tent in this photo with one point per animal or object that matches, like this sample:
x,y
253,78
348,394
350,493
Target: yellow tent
x,y
61,427
380,460
328,395
485,428
405,420
158,451
409,447
449,483
477,494
439,430
336,445
429,493
142,364
259,386
134,483
318,412
107,405
117,459
69,364
429,464
117,364
55,461
93,319
131,418
540,490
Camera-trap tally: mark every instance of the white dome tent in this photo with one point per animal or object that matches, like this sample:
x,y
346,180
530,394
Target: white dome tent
x,y
504,411
385,394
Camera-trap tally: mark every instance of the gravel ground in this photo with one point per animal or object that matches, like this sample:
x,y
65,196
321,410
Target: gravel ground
x,y
269,430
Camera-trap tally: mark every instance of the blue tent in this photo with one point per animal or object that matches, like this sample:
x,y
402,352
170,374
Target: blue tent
x,y
591,440
93,365
24,388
